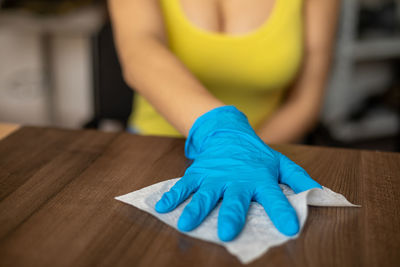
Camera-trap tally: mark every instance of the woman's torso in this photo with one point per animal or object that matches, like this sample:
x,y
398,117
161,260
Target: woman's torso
x,y
244,52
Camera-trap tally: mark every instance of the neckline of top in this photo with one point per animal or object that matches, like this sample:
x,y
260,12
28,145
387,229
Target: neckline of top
x,y
267,24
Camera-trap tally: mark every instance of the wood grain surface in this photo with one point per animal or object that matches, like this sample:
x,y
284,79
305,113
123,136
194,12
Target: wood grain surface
x,y
57,206
7,128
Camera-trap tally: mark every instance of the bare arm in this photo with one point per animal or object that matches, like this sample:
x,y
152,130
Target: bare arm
x,y
301,110
150,68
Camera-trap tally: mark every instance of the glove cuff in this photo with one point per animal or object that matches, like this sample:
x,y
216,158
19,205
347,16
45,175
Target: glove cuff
x,y
225,118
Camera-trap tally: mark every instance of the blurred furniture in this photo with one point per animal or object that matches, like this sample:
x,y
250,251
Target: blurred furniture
x,y
360,104
7,128
57,205
82,22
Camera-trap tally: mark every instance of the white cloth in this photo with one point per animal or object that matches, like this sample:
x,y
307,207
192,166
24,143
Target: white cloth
x,y
258,234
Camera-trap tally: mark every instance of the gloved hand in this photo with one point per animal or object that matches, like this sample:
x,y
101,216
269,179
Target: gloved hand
x,y
233,163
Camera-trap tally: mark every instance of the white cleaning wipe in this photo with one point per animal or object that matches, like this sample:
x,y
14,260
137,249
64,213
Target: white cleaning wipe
x,y
258,234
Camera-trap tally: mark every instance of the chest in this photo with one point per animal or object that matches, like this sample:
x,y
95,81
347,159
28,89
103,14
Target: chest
x,y
256,54
232,17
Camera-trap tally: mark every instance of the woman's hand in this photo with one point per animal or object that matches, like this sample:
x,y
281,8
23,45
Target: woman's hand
x,y
233,163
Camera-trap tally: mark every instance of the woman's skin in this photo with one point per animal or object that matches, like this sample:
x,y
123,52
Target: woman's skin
x,y
160,77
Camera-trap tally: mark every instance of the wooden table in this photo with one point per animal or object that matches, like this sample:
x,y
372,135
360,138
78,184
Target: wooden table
x,y
57,208
7,128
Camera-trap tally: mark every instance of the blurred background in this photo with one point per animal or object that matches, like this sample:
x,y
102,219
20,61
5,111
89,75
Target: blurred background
x,y
58,67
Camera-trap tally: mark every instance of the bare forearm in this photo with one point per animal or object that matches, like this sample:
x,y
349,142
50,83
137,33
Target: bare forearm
x,y
167,84
288,125
300,112
152,69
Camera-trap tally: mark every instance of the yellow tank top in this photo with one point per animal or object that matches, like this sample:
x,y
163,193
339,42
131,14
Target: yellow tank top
x,y
249,71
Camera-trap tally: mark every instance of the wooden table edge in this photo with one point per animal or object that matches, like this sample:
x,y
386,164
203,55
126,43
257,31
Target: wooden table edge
x,y
8,128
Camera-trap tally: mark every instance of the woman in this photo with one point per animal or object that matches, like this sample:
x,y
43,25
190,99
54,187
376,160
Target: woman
x,y
217,71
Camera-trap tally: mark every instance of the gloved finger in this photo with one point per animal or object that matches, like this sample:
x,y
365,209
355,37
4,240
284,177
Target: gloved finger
x,y
202,203
278,208
178,193
295,176
233,211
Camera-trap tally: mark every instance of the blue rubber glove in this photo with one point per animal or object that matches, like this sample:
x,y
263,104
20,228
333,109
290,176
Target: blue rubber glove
x,y
233,163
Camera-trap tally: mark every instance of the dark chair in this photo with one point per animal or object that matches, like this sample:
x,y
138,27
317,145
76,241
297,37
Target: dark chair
x,y
112,96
